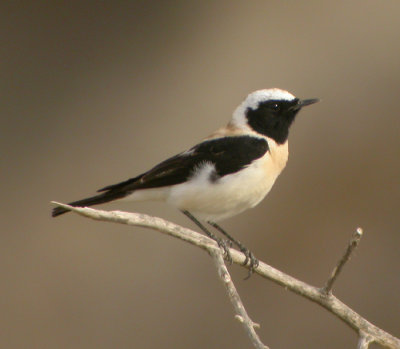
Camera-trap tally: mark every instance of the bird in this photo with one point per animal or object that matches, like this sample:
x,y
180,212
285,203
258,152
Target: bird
x,y
228,172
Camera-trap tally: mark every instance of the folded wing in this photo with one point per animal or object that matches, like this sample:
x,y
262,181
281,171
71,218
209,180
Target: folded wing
x,y
227,154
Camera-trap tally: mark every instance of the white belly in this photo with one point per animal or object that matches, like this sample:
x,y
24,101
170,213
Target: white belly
x,y
227,196
231,194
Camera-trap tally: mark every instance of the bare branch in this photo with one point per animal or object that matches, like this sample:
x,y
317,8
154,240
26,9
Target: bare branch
x,y
353,243
234,297
364,341
142,220
315,294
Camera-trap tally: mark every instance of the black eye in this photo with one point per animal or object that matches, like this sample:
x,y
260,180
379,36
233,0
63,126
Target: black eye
x,y
275,106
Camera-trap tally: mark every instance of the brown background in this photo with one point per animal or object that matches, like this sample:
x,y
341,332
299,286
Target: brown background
x,y
95,92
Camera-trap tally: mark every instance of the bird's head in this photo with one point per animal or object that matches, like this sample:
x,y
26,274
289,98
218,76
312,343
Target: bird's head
x,y
269,112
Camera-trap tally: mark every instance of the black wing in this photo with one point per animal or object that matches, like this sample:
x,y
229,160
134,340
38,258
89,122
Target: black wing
x,y
227,154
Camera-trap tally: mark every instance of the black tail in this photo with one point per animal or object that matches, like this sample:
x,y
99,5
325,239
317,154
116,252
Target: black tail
x,y
94,200
111,193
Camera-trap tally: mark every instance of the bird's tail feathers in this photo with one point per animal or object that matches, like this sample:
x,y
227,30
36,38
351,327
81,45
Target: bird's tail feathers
x,y
121,185
93,200
109,193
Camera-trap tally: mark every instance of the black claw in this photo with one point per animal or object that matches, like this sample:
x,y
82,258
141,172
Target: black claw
x,y
229,243
252,260
249,274
221,243
225,248
247,254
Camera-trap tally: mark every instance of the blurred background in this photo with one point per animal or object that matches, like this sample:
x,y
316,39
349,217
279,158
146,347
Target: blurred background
x,y
93,93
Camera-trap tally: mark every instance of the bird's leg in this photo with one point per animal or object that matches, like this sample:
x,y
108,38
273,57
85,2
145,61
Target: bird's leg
x,y
221,243
250,258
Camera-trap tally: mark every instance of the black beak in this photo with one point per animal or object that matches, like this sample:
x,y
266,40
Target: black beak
x,y
304,102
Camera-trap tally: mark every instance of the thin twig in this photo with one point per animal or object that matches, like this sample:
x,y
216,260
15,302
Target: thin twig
x,y
241,313
353,243
330,302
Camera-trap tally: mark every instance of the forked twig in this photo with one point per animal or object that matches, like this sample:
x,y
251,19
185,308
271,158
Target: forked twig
x,y
368,332
364,341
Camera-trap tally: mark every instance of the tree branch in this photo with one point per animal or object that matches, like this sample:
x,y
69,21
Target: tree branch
x,y
241,313
368,332
364,341
354,241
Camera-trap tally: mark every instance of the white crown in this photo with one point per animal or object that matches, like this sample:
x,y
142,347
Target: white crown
x,y
255,98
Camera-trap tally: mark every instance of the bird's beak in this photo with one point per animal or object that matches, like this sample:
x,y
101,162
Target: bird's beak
x,y
302,103
305,102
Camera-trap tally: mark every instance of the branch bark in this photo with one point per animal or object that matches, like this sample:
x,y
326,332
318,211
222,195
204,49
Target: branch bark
x,y
368,332
354,241
241,313
364,341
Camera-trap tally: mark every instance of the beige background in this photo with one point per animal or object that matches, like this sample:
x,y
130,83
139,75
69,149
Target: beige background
x,y
94,93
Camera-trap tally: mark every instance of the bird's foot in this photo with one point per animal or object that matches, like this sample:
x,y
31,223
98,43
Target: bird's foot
x,y
250,260
225,245
229,243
